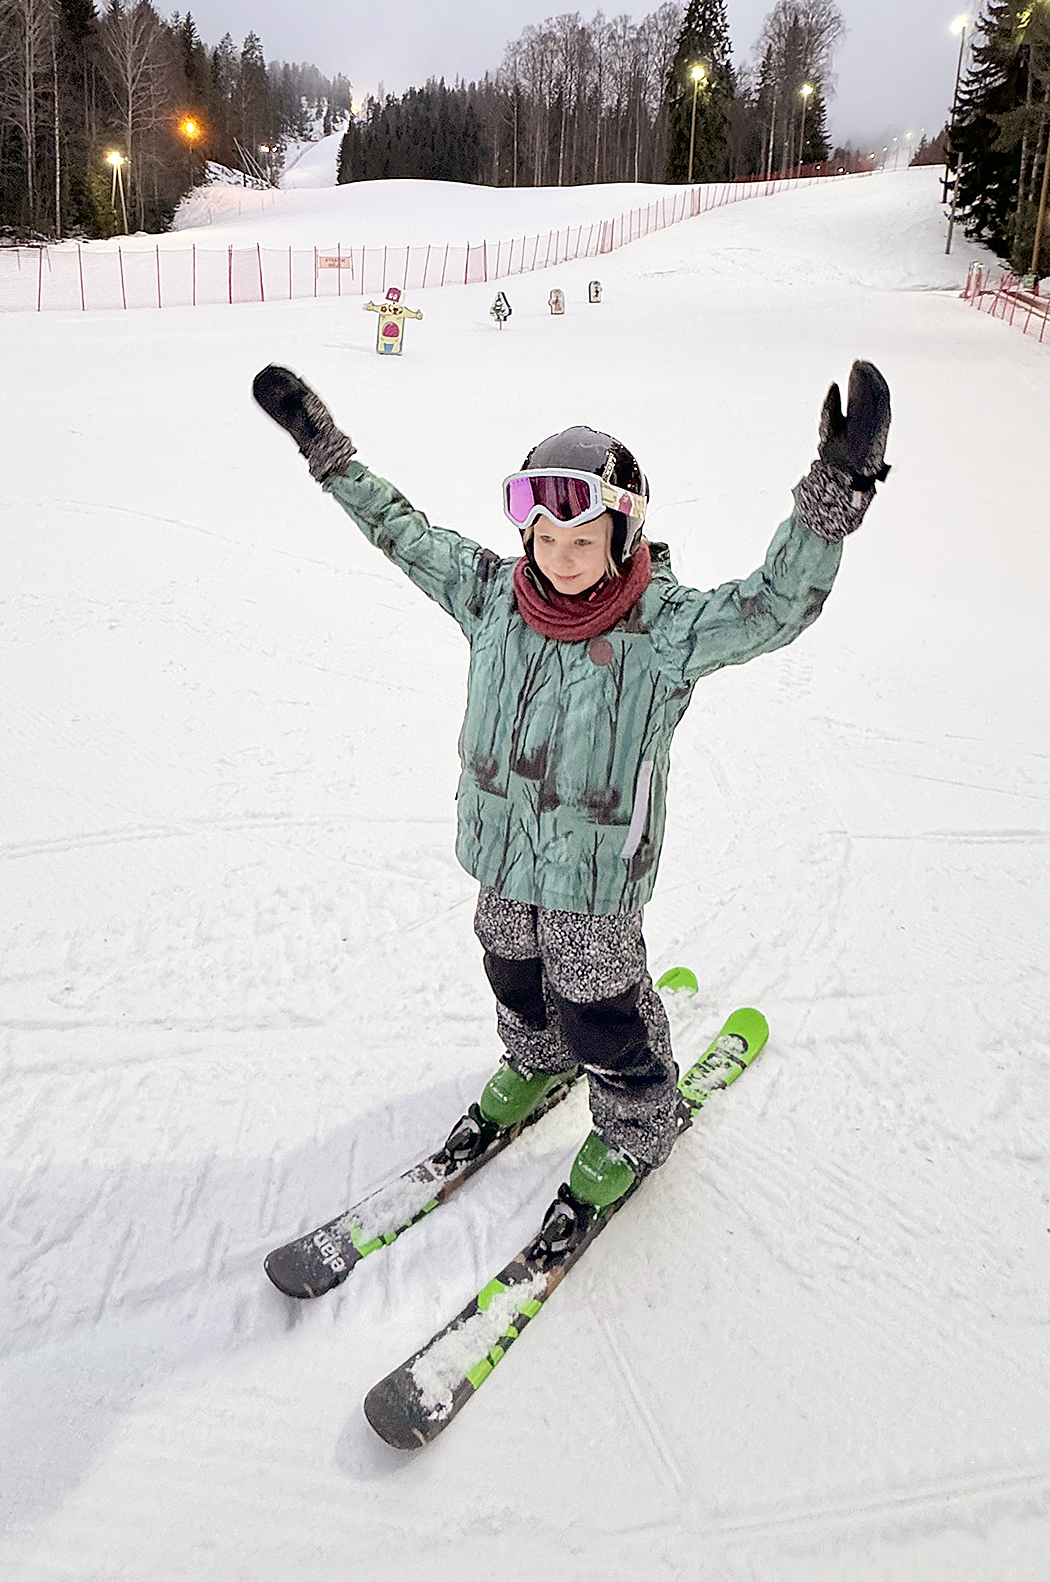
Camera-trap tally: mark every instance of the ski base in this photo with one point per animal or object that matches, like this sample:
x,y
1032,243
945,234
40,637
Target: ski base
x,y
418,1400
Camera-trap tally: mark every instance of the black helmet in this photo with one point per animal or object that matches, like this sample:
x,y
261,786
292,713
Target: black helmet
x,y
587,450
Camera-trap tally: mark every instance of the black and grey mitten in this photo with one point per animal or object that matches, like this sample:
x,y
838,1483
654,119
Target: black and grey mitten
x,y
292,404
840,486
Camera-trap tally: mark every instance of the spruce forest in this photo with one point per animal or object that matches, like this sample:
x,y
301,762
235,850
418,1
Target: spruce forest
x,y
1001,131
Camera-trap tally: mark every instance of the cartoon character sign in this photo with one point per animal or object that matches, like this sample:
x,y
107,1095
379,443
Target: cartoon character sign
x,y
557,301
392,312
501,309
594,291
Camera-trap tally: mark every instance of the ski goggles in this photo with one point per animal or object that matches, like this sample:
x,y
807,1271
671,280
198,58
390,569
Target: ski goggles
x,y
567,497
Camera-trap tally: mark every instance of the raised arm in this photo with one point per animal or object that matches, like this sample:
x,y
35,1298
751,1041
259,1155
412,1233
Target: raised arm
x,y
702,632
450,569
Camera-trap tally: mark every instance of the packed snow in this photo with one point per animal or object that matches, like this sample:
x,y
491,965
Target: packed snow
x,y
312,163
444,1364
241,988
385,1211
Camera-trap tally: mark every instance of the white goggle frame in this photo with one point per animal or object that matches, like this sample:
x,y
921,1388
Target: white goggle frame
x,y
604,497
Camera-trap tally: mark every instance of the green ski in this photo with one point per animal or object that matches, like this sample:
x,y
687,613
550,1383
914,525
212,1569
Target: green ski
x,y
412,1405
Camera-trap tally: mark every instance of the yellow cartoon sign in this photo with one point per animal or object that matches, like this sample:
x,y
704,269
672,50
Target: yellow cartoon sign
x,y
390,329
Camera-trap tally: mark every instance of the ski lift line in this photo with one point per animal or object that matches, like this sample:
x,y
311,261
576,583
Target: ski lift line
x,y
206,277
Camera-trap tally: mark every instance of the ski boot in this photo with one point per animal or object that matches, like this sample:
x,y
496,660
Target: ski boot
x,y
601,1174
508,1100
511,1094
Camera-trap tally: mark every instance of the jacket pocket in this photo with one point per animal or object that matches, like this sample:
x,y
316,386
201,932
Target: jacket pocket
x,y
640,809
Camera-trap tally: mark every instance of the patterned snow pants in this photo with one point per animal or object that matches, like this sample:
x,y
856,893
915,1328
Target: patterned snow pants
x,y
574,990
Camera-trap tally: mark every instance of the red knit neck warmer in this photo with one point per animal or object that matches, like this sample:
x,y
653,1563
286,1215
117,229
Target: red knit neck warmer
x,y
573,617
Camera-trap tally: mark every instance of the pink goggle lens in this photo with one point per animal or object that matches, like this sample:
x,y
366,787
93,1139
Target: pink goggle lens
x,y
564,498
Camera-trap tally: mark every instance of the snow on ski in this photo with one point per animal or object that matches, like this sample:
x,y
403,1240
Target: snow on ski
x,y
414,1403
323,1258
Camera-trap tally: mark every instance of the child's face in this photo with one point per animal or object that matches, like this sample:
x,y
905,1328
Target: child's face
x,y
573,558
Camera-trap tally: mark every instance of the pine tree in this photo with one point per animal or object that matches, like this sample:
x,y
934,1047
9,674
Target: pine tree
x,y
703,42
817,147
986,137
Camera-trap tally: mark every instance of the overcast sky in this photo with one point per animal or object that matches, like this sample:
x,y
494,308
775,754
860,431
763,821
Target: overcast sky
x,y
882,88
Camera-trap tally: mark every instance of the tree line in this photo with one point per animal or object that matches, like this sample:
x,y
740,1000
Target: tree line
x,y
577,101
606,100
1000,133
79,85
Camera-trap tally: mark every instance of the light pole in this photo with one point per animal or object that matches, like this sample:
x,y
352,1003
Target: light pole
x,y
805,90
190,130
698,75
1041,217
959,26
117,162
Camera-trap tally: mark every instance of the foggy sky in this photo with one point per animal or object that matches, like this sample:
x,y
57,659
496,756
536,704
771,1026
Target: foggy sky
x,y
895,68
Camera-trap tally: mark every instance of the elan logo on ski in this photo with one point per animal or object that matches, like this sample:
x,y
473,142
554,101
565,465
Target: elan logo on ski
x,y
329,1252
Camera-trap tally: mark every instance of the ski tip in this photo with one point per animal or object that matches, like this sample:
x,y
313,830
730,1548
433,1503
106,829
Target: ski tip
x,y
286,1277
750,1025
389,1414
679,980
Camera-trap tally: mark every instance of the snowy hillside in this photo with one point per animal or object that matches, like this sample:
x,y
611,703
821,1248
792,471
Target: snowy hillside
x,y
241,988
312,164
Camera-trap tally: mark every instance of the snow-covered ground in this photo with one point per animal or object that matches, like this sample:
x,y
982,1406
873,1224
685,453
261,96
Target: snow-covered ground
x,y
312,164
310,211
240,986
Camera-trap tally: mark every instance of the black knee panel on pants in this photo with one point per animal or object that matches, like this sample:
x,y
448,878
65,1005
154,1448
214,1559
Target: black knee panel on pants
x,y
519,986
607,1034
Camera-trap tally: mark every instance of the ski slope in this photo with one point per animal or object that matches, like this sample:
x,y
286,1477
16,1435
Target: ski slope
x,y
240,984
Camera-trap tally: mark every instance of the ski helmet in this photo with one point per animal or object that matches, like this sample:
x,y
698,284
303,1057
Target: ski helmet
x,y
587,450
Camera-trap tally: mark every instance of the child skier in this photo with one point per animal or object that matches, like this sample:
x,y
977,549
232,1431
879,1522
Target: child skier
x,y
584,654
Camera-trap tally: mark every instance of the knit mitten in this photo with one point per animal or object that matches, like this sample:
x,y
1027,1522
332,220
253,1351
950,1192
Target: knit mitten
x,y
839,487
292,404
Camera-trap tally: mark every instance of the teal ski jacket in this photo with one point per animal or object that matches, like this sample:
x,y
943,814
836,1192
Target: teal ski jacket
x,y
565,745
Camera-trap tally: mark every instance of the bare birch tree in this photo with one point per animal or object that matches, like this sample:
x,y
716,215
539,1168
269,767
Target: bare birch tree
x,y
136,65
26,37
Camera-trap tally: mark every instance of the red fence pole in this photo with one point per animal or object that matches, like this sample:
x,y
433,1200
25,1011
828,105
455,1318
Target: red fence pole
x,y
262,289
123,293
80,261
